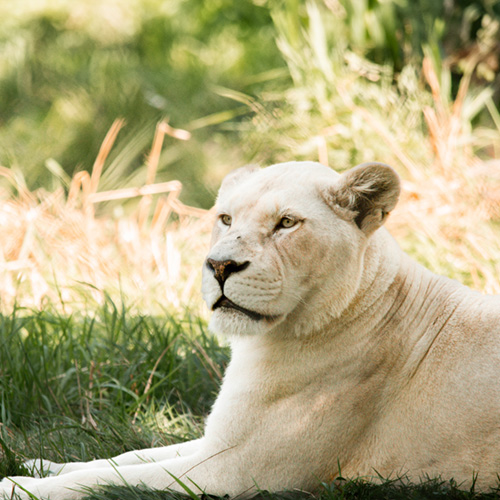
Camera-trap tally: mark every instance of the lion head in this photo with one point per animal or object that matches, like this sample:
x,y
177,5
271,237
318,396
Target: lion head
x,y
288,244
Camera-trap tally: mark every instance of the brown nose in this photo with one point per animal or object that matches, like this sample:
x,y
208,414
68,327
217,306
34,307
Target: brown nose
x,y
222,269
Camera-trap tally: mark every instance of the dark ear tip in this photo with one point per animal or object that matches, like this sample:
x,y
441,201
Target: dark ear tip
x,y
381,173
375,167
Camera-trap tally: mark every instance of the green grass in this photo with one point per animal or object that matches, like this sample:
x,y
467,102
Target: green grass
x,y
81,387
342,490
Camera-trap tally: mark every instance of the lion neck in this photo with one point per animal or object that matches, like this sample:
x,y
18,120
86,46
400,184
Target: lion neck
x,y
382,262
320,316
299,341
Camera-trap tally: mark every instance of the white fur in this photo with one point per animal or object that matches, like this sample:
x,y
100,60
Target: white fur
x,y
368,361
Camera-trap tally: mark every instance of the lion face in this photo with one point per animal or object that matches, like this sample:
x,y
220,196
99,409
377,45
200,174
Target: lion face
x,y
287,247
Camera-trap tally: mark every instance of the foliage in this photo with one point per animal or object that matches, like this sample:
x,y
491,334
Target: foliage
x,y
69,69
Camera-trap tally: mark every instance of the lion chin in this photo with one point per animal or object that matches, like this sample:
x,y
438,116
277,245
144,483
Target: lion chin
x,y
347,357
230,319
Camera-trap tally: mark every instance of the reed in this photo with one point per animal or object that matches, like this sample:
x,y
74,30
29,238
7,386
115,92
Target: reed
x,y
57,249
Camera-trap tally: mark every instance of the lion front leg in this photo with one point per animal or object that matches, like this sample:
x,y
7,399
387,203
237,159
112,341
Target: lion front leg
x,y
76,484
42,468
211,473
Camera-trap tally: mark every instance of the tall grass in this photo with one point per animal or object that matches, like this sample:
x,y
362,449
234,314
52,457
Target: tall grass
x,y
68,69
96,384
103,345
58,248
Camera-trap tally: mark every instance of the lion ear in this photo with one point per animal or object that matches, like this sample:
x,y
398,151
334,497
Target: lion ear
x,y
370,191
236,176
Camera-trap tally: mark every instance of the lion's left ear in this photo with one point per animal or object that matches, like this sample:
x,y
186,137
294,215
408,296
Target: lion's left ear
x,y
370,191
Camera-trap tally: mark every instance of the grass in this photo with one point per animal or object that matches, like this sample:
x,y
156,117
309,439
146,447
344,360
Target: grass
x,y
80,386
69,68
341,490
158,238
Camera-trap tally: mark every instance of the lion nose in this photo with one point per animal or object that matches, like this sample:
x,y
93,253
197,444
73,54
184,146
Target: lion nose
x,y
222,269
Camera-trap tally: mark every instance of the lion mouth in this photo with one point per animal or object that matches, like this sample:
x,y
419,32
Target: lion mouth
x,y
226,303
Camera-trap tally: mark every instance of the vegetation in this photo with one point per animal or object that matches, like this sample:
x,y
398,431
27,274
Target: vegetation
x,y
107,105
102,384
70,68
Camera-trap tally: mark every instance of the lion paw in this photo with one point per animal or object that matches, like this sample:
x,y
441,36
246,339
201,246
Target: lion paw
x,y
13,487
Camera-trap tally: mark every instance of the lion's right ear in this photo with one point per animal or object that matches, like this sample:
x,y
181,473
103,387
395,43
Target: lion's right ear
x,y
369,192
236,176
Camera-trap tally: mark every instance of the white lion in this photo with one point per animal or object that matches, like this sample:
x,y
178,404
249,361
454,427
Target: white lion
x,y
345,352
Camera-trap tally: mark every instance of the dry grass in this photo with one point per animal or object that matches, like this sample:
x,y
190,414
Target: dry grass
x,y
449,213
52,243
449,218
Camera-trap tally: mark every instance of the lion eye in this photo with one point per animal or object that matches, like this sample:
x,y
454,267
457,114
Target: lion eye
x,y
226,219
286,222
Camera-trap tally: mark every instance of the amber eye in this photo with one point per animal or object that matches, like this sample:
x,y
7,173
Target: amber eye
x,y
286,222
226,219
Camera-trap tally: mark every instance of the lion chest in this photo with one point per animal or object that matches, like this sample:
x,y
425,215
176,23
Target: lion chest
x,y
269,403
